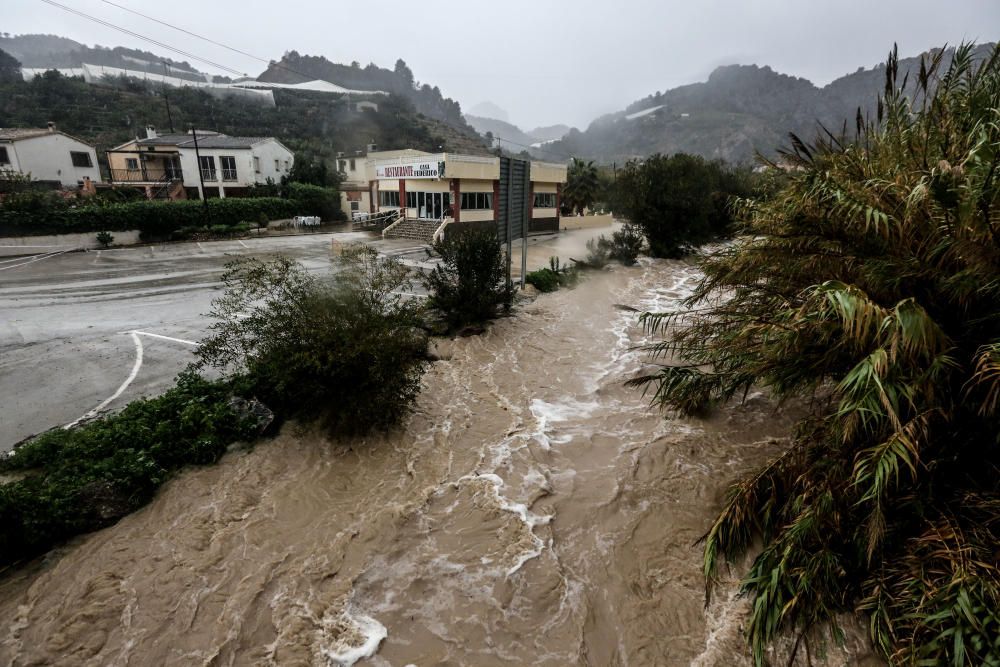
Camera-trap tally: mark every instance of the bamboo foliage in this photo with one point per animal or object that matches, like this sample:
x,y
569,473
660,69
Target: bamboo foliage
x,y
869,284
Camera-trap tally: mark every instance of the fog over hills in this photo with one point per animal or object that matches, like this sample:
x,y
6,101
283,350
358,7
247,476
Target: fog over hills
x,y
738,111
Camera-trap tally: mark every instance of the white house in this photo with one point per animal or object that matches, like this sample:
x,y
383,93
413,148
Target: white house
x,y
48,155
198,164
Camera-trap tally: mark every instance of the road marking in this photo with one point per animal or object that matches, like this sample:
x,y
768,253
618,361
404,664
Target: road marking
x,y
153,335
131,376
244,245
36,258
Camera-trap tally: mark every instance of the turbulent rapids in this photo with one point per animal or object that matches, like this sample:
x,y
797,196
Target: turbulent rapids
x,y
533,511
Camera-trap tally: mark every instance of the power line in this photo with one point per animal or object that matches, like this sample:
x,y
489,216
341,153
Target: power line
x,y
210,40
144,37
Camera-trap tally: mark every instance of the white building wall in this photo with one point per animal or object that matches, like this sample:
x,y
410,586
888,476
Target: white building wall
x,y
246,175
47,158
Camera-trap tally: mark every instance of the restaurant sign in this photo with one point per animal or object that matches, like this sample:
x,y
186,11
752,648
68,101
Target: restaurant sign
x,y
416,169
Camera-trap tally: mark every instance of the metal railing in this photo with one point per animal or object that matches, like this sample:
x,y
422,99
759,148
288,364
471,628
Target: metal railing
x,y
209,175
145,175
228,174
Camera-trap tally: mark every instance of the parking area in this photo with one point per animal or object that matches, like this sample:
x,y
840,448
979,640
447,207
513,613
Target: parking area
x,y
82,332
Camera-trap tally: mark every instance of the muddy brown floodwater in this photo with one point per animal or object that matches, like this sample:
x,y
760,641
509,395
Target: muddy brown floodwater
x,y
533,512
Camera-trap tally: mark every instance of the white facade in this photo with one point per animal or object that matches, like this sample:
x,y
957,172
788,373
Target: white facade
x,y
268,159
50,156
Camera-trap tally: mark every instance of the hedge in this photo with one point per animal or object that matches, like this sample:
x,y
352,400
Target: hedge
x,y
154,219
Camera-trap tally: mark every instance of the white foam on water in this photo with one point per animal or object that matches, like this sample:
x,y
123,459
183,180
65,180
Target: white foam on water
x,y
345,654
546,413
521,510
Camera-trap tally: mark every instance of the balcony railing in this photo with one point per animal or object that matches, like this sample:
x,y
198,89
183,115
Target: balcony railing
x,y
145,175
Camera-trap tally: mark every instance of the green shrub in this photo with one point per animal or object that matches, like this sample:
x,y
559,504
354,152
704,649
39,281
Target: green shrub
x,y
469,286
316,200
105,238
347,350
154,219
84,478
544,280
626,244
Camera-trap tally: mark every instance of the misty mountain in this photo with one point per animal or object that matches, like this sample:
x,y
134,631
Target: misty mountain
x,y
511,137
740,110
428,100
52,51
489,110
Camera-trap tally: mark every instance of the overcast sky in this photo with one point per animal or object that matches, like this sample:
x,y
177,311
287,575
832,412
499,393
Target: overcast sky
x,y
543,61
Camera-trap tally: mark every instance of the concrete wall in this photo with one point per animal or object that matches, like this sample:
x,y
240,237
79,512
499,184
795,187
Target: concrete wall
x,y
548,172
585,221
47,158
33,245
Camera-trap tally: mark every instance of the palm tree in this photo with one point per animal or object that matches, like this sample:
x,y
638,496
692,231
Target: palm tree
x,y
871,286
582,186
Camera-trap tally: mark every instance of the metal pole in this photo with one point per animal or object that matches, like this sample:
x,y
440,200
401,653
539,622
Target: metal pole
x,y
525,222
166,99
201,177
510,242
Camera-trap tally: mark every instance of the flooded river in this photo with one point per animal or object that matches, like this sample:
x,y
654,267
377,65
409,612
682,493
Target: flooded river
x,y
533,512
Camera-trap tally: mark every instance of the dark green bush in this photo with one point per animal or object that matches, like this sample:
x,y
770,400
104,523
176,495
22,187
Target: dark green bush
x,y
469,286
316,200
82,479
154,219
347,350
544,280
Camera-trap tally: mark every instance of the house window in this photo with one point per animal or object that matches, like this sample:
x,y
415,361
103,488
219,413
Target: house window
x,y
4,159
355,206
287,165
545,200
342,166
411,200
132,163
353,165
207,164
477,201
81,159
256,164
277,165
228,164
389,198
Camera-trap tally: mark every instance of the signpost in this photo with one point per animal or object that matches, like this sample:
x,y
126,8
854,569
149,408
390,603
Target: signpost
x,y
512,221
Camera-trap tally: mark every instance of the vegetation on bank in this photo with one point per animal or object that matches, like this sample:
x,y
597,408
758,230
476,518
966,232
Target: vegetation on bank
x,y
469,286
868,284
346,351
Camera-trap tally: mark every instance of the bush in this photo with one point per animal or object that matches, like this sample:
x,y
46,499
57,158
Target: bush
x,y
346,350
868,285
81,479
154,219
316,200
544,280
469,286
105,238
679,202
626,244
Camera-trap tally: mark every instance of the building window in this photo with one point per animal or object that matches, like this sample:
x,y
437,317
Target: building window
x,y
132,163
355,206
277,165
342,166
388,198
4,159
545,200
256,164
353,165
477,201
207,164
288,165
80,159
228,164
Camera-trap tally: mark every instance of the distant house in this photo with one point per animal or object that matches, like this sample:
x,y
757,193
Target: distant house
x,y
48,155
199,164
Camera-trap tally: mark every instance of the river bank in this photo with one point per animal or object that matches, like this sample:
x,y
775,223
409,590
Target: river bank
x,y
533,511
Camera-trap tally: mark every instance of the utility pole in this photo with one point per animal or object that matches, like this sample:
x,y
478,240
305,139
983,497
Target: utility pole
x,y
201,176
170,119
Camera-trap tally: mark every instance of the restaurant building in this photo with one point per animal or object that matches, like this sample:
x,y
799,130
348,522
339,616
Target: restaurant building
x,y
443,187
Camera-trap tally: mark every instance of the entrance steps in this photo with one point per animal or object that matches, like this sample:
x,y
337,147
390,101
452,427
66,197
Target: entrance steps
x,y
417,230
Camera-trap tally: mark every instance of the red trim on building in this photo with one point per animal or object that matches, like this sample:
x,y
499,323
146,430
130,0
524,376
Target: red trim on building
x,y
531,201
558,199
372,199
402,194
456,199
496,201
